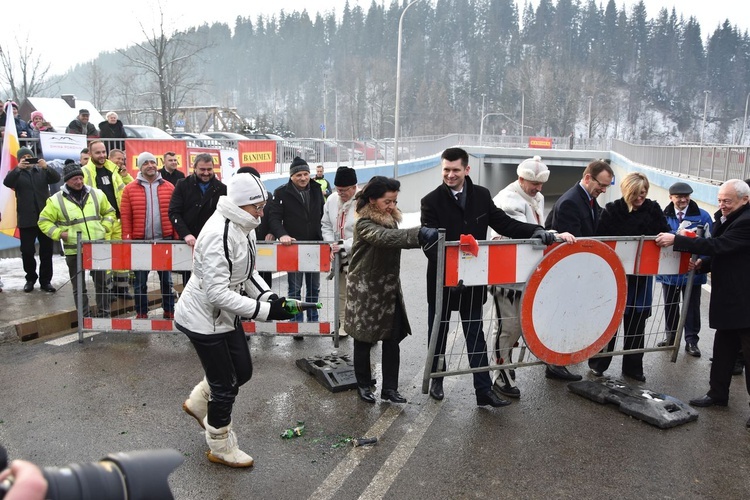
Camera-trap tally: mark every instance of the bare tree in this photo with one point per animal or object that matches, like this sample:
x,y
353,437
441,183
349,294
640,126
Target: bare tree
x,y
170,62
99,83
24,74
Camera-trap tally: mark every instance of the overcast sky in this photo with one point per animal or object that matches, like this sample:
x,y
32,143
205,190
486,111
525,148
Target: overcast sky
x,y
66,33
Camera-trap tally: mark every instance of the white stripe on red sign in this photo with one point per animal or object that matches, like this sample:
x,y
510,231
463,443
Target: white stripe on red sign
x,y
503,262
166,325
303,257
139,256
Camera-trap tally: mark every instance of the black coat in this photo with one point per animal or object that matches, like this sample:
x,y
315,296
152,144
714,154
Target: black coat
x,y
648,220
572,213
109,131
189,208
727,260
32,190
439,209
288,216
77,127
116,131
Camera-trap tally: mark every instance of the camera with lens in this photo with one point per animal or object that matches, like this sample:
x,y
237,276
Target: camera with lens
x,y
119,476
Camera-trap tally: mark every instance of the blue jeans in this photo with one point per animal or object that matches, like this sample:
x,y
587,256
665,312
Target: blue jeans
x,y
312,286
140,289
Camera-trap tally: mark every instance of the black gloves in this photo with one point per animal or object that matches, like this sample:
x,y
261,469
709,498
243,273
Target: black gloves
x,y
277,310
272,297
428,237
547,237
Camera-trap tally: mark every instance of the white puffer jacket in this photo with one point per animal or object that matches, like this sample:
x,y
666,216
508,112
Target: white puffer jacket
x,y
211,300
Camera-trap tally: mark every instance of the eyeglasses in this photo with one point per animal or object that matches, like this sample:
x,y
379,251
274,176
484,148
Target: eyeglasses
x,y
258,208
601,184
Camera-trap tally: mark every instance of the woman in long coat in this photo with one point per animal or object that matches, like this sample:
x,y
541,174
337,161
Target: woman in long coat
x,y
632,215
374,302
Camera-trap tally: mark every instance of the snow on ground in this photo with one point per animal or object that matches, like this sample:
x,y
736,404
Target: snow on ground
x,y
13,277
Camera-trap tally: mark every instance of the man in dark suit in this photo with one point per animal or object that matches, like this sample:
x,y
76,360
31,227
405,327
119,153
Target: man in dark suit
x,y
461,207
577,211
727,260
294,215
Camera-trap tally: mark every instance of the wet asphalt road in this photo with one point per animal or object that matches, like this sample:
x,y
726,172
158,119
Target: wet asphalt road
x,y
120,392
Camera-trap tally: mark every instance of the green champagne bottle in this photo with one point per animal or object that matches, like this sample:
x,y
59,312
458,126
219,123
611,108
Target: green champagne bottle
x,y
293,306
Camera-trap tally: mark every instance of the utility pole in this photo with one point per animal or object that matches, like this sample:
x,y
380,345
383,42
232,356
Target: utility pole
x,y
705,109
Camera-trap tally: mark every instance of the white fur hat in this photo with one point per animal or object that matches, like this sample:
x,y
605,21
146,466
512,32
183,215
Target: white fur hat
x,y
533,170
246,189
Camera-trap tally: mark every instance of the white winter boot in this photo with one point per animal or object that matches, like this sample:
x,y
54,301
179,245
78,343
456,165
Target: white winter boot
x,y
197,404
224,448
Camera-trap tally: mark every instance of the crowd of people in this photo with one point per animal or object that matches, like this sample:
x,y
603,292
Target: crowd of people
x,y
100,200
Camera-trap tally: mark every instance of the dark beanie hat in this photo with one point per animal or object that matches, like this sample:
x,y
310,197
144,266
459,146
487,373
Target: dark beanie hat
x,y
71,170
680,188
23,152
298,165
345,177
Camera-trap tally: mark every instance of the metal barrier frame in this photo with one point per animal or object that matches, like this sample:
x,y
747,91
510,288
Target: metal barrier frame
x,y
176,257
441,274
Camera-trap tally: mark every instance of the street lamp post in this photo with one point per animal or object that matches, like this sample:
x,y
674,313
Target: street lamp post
x,y
481,121
398,91
481,125
744,121
523,106
591,98
705,108
481,114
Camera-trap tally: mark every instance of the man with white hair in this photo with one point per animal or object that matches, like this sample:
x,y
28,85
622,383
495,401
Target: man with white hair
x,y
522,200
337,225
725,257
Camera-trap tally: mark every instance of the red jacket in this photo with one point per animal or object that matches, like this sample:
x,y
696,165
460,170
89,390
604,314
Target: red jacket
x,y
133,209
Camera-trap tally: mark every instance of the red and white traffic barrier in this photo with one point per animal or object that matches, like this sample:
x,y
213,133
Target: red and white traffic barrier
x,y
506,262
167,325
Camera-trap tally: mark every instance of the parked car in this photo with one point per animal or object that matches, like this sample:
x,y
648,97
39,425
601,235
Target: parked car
x,y
368,150
145,132
331,151
287,149
198,140
228,139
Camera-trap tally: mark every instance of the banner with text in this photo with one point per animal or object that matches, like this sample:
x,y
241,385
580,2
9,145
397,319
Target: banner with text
x,y
260,155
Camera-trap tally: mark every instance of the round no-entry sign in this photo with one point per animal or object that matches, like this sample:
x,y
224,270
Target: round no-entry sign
x,y
573,302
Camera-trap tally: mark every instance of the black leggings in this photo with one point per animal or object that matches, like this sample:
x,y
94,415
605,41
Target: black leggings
x,y
226,360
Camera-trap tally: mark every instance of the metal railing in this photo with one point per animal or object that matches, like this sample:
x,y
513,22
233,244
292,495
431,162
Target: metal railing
x,y
712,163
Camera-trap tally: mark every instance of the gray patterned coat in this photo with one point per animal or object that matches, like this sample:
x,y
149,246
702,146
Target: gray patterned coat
x,y
373,286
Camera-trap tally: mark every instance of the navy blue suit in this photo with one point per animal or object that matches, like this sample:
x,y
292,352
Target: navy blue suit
x,y
574,214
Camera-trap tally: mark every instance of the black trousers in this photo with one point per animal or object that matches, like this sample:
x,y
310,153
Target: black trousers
x,y
29,235
470,309
391,355
226,360
672,311
635,325
727,344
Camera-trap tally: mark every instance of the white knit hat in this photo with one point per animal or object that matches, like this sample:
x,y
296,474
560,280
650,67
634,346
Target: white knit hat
x,y
144,157
246,189
533,170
